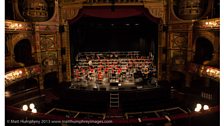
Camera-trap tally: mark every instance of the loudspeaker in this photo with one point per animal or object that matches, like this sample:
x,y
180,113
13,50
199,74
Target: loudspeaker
x,y
63,51
61,28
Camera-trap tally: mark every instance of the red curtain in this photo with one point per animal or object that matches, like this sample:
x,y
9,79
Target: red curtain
x,y
107,12
117,12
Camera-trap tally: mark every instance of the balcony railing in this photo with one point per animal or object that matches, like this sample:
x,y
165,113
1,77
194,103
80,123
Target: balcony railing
x,y
205,71
11,25
21,73
208,24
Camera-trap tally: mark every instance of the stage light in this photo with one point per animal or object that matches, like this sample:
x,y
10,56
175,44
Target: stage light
x,y
205,107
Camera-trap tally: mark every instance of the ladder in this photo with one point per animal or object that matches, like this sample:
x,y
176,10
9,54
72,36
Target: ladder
x,y
114,99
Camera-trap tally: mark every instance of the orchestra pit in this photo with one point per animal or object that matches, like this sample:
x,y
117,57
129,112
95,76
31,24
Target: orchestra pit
x,y
112,62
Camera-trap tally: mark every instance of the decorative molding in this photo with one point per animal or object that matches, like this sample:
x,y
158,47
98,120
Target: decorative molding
x,y
179,40
208,24
70,13
17,37
46,27
11,25
49,59
156,12
47,42
55,16
181,26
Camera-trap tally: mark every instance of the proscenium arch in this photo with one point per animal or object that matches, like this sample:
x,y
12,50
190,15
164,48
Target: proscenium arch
x,y
70,14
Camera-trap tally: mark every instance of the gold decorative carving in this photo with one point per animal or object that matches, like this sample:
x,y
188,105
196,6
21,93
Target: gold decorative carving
x,y
70,13
178,57
16,38
11,25
208,24
49,59
157,12
179,40
47,42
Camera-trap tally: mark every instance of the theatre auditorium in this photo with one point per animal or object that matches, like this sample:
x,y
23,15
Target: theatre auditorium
x,y
112,62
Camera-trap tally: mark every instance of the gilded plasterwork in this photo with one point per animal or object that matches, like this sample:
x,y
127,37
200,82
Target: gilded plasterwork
x,y
179,40
47,42
49,59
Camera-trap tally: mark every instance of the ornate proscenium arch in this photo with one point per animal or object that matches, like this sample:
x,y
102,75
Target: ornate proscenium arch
x,y
71,12
153,10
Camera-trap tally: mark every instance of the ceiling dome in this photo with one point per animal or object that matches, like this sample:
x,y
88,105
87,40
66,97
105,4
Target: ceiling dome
x,y
35,10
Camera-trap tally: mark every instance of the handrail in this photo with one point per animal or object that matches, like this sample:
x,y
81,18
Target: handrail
x,y
123,120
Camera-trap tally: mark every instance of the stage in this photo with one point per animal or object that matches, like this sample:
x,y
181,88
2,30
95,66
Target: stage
x,y
114,84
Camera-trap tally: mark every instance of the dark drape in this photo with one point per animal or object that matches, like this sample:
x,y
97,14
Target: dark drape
x,y
118,12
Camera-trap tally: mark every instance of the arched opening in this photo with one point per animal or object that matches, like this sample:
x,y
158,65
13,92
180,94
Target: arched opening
x,y
51,80
203,50
23,52
177,80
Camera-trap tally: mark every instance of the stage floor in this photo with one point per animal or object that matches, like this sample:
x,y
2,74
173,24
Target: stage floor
x,y
114,85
